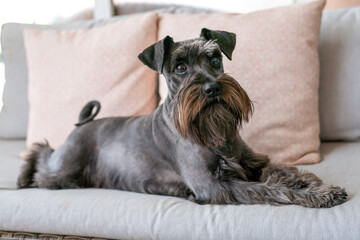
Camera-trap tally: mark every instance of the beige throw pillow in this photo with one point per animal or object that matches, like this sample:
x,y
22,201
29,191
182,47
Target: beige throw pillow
x,y
276,62
68,68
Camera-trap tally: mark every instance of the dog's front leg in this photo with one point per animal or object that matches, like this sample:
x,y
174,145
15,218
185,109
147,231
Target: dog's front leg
x,y
274,191
308,189
289,176
206,188
209,190
241,192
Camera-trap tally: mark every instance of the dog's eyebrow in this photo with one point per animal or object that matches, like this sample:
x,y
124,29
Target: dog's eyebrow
x,y
211,48
179,52
177,57
214,53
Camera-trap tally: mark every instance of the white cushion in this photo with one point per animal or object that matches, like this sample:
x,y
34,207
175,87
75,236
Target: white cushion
x,y
126,215
339,51
10,162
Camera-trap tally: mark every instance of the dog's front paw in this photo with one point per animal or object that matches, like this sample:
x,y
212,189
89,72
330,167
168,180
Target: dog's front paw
x,y
337,196
324,196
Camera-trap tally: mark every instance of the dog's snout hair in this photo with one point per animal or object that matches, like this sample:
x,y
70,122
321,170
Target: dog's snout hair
x,y
211,121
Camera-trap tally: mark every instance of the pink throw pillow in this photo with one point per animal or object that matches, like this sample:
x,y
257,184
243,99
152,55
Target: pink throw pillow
x,y
276,62
71,67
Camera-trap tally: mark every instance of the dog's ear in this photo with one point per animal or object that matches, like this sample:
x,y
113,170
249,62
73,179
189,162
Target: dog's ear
x,y
154,56
226,40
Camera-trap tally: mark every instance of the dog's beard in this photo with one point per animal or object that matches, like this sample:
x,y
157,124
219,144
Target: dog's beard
x,y
211,121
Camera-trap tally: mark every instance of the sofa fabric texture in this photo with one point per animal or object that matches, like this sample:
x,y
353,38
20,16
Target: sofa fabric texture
x,y
339,51
14,113
10,162
126,215
276,62
69,68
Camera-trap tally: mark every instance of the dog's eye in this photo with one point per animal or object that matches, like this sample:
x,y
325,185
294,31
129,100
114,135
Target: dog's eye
x,y
215,61
181,68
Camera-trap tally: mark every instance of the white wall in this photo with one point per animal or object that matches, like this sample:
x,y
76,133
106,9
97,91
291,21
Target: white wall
x,y
242,6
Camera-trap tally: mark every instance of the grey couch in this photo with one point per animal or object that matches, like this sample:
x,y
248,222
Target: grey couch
x,y
126,215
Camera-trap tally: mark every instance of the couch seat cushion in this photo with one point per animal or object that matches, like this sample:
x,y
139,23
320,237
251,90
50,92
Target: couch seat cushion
x,y
126,215
10,162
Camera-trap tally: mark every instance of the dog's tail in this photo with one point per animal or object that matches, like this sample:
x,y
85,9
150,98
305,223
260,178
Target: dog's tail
x,y
87,114
39,152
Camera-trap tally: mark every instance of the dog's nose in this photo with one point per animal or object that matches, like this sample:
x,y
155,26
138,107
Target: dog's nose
x,y
212,89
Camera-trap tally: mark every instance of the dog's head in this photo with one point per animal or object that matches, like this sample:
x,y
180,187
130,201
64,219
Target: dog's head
x,y
207,105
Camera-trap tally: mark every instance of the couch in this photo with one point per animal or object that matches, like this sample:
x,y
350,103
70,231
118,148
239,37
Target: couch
x,y
125,215
113,214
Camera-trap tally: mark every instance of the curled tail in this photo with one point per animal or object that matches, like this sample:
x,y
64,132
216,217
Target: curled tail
x,y
38,152
86,114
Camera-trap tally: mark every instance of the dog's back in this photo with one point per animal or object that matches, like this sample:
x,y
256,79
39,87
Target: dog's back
x,y
108,153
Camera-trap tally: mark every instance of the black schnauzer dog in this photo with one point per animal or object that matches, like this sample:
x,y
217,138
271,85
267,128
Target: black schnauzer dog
x,y
188,147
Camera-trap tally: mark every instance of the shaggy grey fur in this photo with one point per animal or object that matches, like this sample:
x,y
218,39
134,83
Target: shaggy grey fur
x,y
148,155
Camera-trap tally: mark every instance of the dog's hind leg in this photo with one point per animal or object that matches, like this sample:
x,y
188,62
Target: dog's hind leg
x,y
45,168
29,168
60,170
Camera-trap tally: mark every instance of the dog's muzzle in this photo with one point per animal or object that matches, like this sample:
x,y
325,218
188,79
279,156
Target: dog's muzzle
x,y
211,89
210,113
